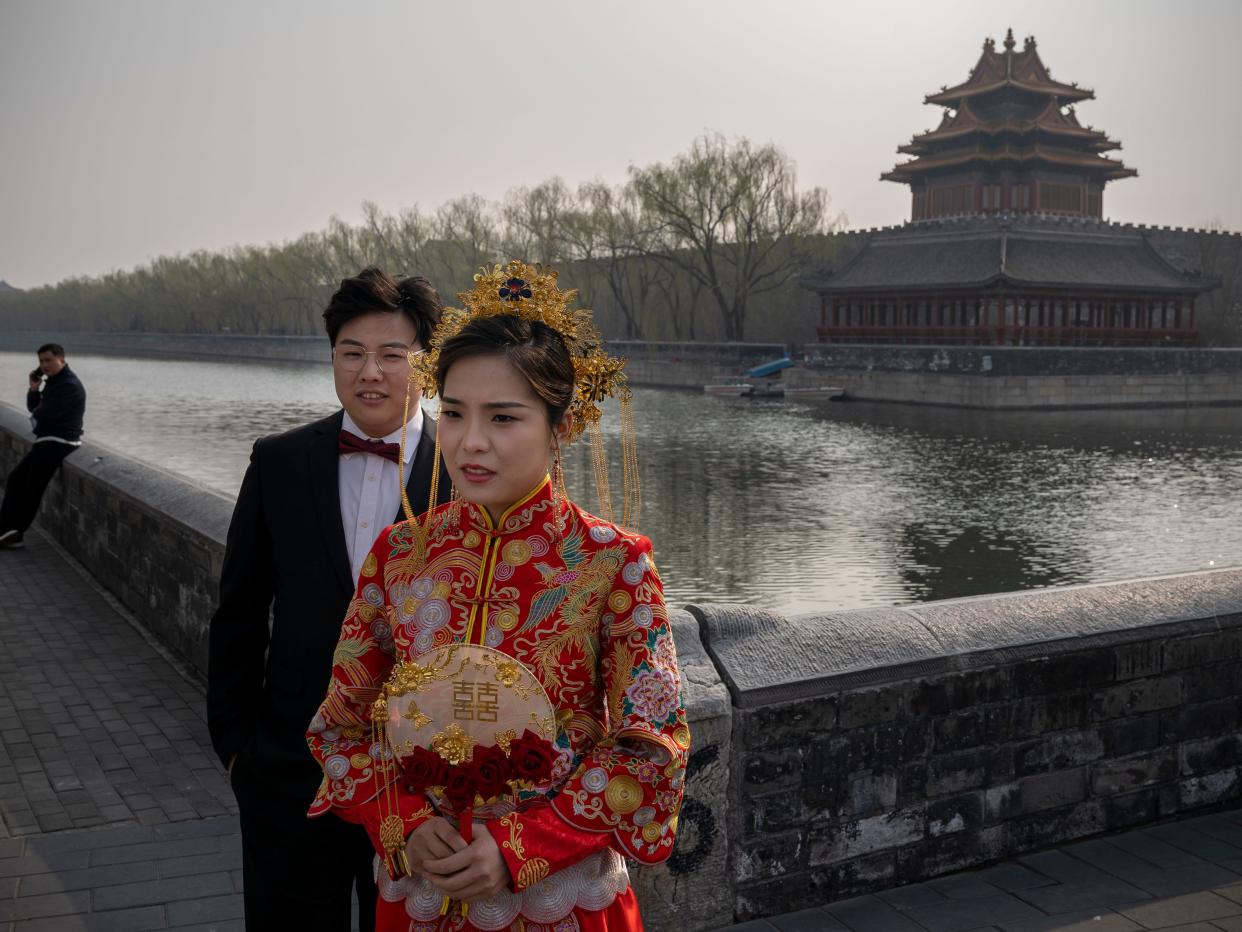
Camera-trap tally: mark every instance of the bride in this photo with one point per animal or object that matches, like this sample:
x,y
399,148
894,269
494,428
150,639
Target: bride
x,y
509,600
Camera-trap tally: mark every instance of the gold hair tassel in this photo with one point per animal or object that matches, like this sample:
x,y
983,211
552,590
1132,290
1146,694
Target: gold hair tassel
x,y
434,495
405,423
632,488
559,494
599,460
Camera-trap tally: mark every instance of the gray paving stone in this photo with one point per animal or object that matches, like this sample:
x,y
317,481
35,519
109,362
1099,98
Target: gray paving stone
x,y
1151,848
1066,898
1196,841
871,914
203,828
915,894
187,912
1158,881
1193,907
43,863
808,920
87,878
1218,827
1013,877
960,915
202,863
1086,920
964,887
51,904
88,840
160,850
191,886
121,920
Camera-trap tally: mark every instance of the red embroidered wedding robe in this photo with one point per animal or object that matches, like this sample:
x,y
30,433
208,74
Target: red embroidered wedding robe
x,y
581,606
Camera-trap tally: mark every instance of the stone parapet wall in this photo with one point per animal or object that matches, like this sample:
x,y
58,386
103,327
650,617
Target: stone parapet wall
x,y
881,747
832,754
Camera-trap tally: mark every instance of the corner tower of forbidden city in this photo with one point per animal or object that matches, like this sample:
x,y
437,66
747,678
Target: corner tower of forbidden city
x,y
1009,140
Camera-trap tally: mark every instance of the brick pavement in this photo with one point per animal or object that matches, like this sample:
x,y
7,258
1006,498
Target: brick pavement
x,y
114,813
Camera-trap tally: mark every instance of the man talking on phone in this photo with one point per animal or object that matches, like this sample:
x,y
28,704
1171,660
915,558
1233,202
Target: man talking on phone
x,y
56,401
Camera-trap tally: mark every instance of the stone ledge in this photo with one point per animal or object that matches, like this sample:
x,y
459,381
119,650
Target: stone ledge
x,y
193,507
763,657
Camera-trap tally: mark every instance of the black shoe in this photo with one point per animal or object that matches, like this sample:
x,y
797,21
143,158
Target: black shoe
x,y
11,540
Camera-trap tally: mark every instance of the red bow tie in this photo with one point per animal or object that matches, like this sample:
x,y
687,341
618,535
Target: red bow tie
x,y
352,443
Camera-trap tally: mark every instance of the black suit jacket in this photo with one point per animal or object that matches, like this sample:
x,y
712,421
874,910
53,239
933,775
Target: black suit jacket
x,y
286,558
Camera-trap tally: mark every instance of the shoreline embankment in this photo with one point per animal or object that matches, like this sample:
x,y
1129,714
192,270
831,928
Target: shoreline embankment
x,y
983,377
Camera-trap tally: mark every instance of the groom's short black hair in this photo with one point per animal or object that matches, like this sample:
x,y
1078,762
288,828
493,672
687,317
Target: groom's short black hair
x,y
374,290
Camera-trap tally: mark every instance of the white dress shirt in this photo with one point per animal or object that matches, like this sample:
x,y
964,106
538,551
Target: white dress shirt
x,y
370,488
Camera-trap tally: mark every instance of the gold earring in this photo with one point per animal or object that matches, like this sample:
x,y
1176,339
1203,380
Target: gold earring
x,y
455,508
559,494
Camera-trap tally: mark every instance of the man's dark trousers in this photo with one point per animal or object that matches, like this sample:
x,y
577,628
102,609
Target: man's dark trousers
x,y
285,585
28,481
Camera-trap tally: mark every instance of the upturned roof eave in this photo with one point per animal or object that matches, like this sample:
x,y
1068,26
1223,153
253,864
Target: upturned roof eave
x,y
1093,136
1065,92
900,172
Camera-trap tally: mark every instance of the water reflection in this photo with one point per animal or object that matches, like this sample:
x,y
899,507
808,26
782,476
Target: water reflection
x,y
794,506
939,563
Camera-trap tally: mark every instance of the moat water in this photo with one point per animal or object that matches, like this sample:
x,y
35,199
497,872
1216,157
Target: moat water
x,y
793,506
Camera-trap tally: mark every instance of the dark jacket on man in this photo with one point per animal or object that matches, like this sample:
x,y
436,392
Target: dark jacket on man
x,y
58,410
285,585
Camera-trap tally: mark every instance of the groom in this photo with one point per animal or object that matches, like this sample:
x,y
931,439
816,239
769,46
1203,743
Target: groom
x,y
311,504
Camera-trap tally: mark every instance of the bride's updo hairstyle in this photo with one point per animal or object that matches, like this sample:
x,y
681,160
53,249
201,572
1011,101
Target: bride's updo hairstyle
x,y
531,346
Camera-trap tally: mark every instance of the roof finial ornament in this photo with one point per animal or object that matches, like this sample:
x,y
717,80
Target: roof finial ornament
x,y
1009,43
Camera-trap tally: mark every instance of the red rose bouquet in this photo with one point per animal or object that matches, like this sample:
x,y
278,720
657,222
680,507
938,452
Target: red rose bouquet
x,y
482,775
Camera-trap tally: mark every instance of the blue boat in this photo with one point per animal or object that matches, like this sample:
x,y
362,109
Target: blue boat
x,y
769,368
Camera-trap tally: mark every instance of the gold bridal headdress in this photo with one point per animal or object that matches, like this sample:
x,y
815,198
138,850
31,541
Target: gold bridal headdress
x,y
530,292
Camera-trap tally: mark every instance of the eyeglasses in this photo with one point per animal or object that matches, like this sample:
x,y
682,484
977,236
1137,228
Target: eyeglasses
x,y
389,359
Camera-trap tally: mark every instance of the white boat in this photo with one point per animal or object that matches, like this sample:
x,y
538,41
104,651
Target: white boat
x,y
804,393
731,389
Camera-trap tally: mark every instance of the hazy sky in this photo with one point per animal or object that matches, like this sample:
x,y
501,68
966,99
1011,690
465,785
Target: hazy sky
x,y
135,128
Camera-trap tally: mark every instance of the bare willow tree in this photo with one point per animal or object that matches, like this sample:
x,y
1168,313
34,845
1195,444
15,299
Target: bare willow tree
x,y
715,227
731,218
607,230
533,220
465,236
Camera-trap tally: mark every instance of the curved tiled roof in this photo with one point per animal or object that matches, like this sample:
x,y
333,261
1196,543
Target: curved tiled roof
x,y
995,70
994,250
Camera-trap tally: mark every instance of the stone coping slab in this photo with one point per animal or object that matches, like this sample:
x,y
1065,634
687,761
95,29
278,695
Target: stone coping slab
x,y
171,496
764,657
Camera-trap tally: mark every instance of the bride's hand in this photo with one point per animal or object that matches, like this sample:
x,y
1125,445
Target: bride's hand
x,y
435,839
475,872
